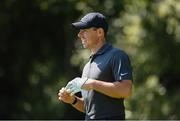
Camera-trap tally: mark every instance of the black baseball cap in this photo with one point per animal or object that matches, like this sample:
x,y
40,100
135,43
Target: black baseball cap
x,y
93,19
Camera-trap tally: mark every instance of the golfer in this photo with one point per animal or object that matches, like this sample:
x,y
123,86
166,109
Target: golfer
x,y
106,78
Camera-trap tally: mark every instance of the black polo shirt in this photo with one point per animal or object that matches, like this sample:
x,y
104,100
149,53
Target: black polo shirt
x,y
109,64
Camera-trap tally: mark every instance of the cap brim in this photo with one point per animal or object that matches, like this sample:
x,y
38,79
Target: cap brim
x,y
80,25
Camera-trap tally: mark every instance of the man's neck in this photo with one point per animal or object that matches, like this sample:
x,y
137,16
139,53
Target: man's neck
x,y
97,47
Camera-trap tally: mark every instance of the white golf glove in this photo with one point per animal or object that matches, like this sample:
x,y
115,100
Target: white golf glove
x,y
75,85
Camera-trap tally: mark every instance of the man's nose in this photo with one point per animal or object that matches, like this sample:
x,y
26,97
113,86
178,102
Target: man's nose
x,y
80,34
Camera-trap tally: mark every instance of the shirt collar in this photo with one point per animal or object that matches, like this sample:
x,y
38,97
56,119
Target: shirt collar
x,y
102,50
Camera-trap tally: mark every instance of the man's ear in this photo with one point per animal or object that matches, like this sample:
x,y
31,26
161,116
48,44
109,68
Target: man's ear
x,y
100,31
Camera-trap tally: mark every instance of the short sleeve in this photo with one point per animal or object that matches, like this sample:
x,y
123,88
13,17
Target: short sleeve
x,y
121,66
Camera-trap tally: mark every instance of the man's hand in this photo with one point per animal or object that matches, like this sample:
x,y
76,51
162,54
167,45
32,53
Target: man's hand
x,y
75,85
65,96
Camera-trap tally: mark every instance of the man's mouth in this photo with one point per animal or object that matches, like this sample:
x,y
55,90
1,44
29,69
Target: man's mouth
x,y
83,41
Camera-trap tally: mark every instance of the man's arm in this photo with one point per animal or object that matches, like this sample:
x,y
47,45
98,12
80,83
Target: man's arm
x,y
79,105
119,89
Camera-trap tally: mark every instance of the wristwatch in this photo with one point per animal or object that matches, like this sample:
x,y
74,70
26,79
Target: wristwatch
x,y
75,101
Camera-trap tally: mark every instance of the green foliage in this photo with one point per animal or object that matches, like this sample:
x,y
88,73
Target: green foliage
x,y
39,55
149,35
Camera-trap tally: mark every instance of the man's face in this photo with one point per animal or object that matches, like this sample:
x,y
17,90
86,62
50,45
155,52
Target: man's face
x,y
88,37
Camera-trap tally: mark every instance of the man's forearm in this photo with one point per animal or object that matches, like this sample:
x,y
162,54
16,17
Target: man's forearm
x,y
79,105
116,89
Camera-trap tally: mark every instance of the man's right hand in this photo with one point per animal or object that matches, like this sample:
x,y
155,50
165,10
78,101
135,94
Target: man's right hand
x,y
65,96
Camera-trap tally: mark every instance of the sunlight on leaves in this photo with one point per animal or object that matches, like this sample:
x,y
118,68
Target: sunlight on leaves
x,y
152,82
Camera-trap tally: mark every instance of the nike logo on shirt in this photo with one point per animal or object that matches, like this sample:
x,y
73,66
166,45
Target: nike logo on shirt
x,y
123,74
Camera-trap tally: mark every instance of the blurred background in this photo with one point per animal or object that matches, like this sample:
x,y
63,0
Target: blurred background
x,y
40,53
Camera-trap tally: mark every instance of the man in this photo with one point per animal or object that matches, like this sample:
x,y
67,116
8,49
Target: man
x,y
107,77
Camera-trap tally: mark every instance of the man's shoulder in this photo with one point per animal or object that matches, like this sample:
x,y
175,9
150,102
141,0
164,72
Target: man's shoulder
x,y
117,51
